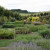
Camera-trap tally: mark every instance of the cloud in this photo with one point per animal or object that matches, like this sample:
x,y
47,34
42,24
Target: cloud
x,y
30,5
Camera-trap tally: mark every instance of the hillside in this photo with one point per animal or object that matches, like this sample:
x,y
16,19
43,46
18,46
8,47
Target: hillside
x,y
19,10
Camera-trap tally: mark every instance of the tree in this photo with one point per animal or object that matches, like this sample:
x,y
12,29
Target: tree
x,y
1,11
45,13
41,14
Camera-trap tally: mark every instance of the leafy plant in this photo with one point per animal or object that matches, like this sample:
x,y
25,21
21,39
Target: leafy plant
x,y
44,43
48,26
45,33
8,26
22,30
6,33
32,28
37,23
19,25
18,22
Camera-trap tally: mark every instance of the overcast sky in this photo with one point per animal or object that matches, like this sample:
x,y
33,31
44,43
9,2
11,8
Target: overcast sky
x,y
30,5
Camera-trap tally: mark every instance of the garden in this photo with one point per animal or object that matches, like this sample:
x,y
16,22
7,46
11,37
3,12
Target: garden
x,y
27,32
18,32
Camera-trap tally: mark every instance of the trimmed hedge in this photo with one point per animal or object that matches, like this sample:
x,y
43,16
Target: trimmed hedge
x,y
18,22
10,23
19,25
6,33
8,26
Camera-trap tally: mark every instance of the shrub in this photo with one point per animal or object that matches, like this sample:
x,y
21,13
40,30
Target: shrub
x,y
44,21
8,26
33,28
22,30
6,33
45,33
28,37
10,23
37,23
44,43
18,22
42,27
1,23
19,25
28,22
48,26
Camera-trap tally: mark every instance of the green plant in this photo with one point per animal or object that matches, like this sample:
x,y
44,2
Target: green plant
x,y
42,27
19,25
32,27
45,33
18,22
8,26
44,43
48,26
22,30
10,23
6,33
27,37
37,23
44,21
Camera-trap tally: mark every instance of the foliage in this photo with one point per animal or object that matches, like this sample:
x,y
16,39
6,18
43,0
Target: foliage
x,y
10,23
37,23
6,14
32,19
18,22
35,19
42,27
19,25
45,33
44,43
8,26
22,30
19,10
5,42
44,21
32,28
27,37
36,27
1,10
48,26
6,33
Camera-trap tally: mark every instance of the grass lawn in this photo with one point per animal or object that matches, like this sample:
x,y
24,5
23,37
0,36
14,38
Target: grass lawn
x,y
5,42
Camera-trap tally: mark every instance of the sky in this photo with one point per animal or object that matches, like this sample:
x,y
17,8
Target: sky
x,y
30,5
